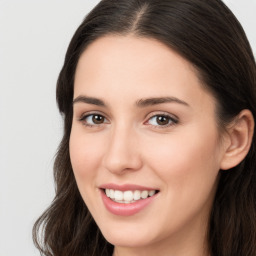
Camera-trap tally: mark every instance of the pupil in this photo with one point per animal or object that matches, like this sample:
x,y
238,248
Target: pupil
x,y
97,119
162,120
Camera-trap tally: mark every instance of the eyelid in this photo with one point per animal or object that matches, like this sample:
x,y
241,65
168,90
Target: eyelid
x,y
91,113
173,118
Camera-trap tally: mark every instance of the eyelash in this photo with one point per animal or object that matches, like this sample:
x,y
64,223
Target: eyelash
x,y
171,120
84,117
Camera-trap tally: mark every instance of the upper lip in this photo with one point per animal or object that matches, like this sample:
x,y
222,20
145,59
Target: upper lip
x,y
125,187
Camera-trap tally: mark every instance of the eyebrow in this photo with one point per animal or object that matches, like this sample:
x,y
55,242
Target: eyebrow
x,y
140,103
159,100
89,100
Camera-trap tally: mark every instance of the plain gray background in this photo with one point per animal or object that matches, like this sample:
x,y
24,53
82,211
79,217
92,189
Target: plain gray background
x,y
34,36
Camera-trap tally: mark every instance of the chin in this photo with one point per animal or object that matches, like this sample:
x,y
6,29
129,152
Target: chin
x,y
128,241
129,237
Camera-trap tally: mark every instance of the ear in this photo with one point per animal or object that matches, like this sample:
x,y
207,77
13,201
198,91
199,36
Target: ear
x,y
239,139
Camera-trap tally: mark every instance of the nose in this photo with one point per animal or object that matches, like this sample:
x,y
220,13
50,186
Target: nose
x,y
122,152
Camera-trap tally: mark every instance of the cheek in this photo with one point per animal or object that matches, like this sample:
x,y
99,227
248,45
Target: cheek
x,y
186,161
85,155
188,167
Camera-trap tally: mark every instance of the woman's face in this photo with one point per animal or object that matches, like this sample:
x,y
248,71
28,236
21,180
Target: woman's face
x,y
144,132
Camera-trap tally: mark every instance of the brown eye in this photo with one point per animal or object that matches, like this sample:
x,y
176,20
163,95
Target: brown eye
x,y
162,120
98,119
93,120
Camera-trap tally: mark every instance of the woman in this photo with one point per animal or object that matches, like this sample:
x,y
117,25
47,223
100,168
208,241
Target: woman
x,y
158,152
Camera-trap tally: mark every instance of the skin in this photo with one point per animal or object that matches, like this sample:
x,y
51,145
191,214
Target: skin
x,y
182,160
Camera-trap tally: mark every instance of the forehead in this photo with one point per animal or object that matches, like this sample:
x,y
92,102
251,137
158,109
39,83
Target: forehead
x,y
130,53
142,67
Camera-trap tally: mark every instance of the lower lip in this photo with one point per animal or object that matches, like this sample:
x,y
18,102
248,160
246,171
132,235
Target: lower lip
x,y
122,209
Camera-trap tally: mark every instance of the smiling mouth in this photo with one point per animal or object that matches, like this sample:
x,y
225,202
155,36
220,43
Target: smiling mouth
x,y
129,196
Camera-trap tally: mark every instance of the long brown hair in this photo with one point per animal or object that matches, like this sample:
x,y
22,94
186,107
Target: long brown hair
x,y
206,33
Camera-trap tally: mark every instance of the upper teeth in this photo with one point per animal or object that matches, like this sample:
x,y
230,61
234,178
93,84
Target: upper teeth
x,y
128,196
